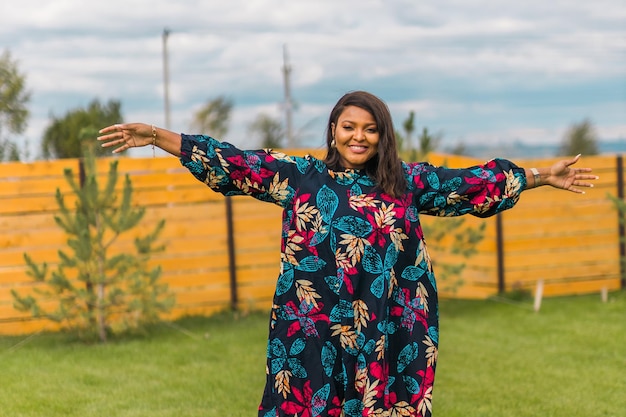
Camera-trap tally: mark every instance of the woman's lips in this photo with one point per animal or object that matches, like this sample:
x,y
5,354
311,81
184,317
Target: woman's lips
x,y
358,148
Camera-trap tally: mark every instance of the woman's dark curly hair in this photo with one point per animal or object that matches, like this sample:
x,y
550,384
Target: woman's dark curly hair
x,y
385,167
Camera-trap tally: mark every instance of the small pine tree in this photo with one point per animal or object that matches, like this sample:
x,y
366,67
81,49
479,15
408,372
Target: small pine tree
x,y
452,236
445,236
97,288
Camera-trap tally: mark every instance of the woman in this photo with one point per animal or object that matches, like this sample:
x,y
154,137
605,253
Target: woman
x,y
354,323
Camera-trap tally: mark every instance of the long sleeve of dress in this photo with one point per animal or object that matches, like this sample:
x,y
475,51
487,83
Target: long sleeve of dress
x,y
263,174
482,190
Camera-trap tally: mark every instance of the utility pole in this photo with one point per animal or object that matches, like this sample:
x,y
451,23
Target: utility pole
x,y
166,79
288,102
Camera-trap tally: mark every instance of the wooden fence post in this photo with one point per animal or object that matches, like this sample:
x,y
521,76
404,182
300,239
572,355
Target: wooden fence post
x,y
621,227
232,262
500,253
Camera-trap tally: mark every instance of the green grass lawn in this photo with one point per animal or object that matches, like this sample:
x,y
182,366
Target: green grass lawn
x,y
495,359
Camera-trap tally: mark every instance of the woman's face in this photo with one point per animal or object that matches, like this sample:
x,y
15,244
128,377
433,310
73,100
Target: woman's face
x,y
356,137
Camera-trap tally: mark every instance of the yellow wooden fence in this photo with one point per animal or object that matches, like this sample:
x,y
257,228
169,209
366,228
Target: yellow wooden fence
x,y
569,241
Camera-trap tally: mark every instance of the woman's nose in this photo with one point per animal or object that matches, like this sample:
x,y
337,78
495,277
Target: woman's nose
x,y
360,134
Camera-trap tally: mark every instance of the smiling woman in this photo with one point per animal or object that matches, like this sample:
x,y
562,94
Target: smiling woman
x,y
354,323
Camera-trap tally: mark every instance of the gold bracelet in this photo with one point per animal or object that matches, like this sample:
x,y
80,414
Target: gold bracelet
x,y
536,176
154,133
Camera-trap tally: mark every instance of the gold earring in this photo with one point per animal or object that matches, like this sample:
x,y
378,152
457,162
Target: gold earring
x,y
333,143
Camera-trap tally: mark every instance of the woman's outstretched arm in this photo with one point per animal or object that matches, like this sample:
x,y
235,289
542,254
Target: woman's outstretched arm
x,y
135,135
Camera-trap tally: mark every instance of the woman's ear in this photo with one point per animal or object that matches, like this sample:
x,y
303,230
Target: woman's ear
x,y
332,130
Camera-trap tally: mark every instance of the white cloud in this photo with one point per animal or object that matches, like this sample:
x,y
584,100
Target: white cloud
x,y
456,63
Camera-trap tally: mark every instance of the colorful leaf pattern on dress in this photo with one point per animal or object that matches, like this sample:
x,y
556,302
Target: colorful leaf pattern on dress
x,y
354,320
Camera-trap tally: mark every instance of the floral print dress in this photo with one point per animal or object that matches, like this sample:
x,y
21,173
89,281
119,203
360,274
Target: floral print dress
x,y
354,321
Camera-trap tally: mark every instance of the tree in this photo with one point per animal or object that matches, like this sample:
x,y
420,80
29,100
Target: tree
x,y
580,138
427,143
409,128
62,138
452,241
9,151
98,289
270,131
459,149
450,238
13,111
403,138
213,118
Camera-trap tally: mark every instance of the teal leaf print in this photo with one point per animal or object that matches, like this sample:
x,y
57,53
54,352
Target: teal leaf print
x,y
353,225
391,257
371,261
319,400
353,408
327,202
296,368
360,341
378,286
211,149
297,347
424,199
342,310
365,180
333,242
356,190
278,353
433,180
412,214
412,385
311,264
407,355
270,413
360,362
452,184
342,377
318,238
334,283
302,165
358,345
329,356
369,346
440,201
195,167
320,165
387,327
482,173
413,273
431,278
433,333
285,280
436,200
392,328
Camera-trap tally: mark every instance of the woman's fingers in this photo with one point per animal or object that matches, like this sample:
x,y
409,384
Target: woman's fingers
x,y
108,137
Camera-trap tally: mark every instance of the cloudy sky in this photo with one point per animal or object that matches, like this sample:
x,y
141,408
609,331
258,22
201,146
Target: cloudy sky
x,y
474,71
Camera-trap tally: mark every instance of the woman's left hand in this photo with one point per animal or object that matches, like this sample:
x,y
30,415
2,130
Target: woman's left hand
x,y
564,176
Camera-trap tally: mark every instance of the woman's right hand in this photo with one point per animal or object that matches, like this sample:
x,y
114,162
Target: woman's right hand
x,y
126,136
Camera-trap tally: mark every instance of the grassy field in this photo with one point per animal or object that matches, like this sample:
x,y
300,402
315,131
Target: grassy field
x,y
496,359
